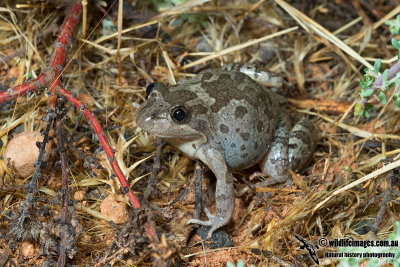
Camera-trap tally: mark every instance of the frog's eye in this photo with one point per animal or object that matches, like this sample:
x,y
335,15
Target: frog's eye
x,y
149,88
179,114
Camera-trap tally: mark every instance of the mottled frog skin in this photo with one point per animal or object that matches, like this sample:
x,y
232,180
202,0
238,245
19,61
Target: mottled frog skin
x,y
226,119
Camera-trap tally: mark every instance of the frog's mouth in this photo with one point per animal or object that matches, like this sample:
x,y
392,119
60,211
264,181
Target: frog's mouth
x,y
173,134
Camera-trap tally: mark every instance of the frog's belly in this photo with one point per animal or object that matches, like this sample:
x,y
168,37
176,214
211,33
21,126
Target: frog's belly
x,y
188,147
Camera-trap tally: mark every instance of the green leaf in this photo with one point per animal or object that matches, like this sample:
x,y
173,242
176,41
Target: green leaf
x,y
395,44
347,168
365,112
362,83
357,109
377,66
385,77
394,25
398,102
382,97
367,92
369,107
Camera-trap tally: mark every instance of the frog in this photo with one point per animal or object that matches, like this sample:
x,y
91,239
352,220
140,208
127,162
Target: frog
x,y
230,119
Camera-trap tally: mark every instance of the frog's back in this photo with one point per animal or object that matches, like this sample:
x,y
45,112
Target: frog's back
x,y
241,114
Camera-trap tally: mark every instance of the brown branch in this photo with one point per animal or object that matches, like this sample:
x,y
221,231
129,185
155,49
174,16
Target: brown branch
x,y
64,183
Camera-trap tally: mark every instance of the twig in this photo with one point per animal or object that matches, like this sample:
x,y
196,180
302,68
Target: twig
x,y
31,187
64,183
197,189
151,186
51,78
373,174
386,198
104,142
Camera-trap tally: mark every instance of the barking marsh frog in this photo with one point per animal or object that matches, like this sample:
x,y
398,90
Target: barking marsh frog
x,y
226,119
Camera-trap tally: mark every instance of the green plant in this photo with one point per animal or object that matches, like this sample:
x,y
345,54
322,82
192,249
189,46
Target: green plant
x,y
394,25
371,85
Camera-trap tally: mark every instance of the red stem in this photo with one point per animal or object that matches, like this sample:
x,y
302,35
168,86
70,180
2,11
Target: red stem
x,y
104,143
51,77
38,83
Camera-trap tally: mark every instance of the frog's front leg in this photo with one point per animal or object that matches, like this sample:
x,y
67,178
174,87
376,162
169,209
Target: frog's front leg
x,y
224,193
276,162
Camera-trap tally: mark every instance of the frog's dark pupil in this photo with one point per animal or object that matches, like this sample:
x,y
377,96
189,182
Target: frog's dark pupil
x,y
149,88
179,114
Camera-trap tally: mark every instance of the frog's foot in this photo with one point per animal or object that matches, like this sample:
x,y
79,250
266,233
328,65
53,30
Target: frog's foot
x,y
215,222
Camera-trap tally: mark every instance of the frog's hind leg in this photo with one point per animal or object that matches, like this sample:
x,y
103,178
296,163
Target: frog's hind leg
x,y
290,150
301,144
276,162
258,74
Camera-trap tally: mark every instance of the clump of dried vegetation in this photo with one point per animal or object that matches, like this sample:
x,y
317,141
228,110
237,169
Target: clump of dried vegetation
x,y
320,47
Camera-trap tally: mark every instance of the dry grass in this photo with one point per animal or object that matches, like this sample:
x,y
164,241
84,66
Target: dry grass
x,y
321,60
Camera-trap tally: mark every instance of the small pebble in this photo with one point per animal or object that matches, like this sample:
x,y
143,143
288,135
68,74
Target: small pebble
x,y
27,250
114,210
22,152
79,195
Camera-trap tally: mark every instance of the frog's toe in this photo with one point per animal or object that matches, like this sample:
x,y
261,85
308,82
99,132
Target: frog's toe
x,y
209,215
214,221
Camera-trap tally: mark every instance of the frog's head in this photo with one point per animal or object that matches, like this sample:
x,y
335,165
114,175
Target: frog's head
x,y
170,112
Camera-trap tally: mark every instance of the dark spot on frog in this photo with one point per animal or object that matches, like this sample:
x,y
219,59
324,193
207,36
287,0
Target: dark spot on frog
x,y
245,155
233,145
240,111
207,75
260,126
201,126
255,145
194,146
267,103
242,147
245,136
223,128
237,130
301,135
218,89
199,109
180,95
